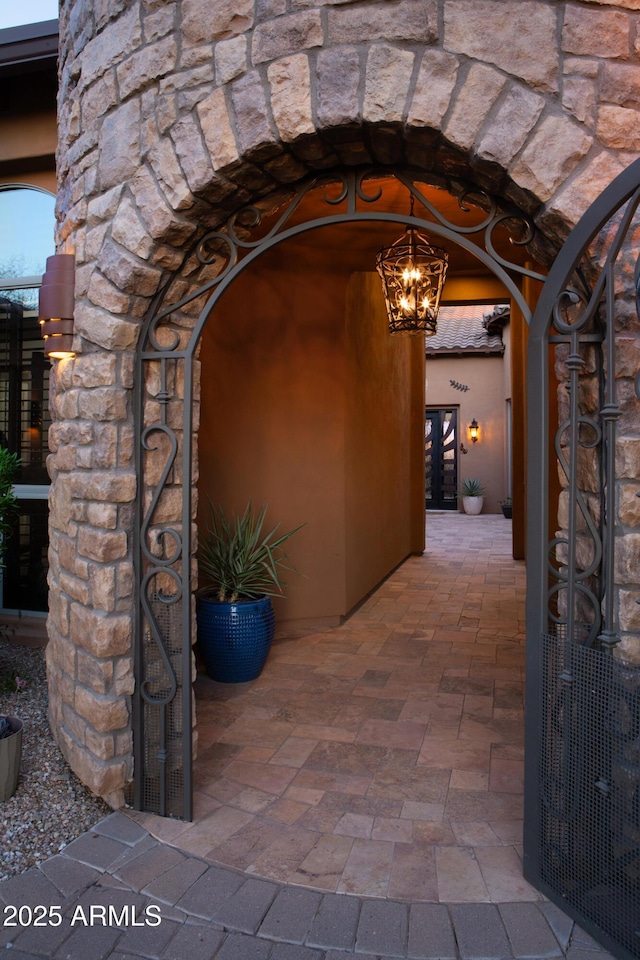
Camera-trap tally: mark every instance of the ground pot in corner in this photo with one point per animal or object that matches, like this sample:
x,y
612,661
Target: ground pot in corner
x,y
507,510
10,759
235,638
472,505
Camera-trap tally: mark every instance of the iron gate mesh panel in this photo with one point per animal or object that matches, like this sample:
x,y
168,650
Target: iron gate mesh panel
x,y
163,778
589,779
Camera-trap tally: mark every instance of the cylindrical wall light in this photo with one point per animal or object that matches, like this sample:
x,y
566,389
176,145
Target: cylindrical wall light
x,y
474,428
57,299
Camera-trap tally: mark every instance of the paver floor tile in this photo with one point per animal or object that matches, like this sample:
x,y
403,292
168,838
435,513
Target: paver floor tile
x,y
413,872
293,752
354,825
270,778
413,810
305,795
388,828
388,733
459,876
506,776
323,780
393,740
502,872
469,780
213,829
476,805
324,864
455,754
315,731
367,869
510,831
286,811
282,858
246,844
435,832
479,834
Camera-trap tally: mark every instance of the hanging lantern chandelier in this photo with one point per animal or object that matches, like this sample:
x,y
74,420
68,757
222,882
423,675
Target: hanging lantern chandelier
x,y
413,272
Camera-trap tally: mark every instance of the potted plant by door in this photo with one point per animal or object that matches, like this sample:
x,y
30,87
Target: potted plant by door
x,y
242,566
507,508
472,493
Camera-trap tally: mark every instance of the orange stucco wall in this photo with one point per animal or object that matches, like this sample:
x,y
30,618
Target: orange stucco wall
x,y
289,418
381,393
27,148
46,179
33,135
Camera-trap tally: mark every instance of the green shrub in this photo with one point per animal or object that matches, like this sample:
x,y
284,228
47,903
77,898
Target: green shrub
x,y
9,463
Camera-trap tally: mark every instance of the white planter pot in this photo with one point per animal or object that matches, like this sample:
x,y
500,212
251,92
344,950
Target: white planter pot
x,y
472,505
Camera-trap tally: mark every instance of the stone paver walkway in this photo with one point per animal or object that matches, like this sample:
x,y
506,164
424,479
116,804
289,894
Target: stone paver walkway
x,y
383,757
119,893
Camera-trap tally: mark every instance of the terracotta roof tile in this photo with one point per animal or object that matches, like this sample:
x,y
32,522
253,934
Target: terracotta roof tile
x,y
464,330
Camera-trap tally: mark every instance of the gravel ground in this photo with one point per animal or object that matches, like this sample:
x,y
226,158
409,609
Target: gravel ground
x,y
51,807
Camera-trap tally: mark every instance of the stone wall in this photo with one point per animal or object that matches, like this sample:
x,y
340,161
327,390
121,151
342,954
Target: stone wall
x,y
174,114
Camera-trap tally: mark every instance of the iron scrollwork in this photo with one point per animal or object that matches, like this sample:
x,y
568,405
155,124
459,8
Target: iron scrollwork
x,y
585,443
583,769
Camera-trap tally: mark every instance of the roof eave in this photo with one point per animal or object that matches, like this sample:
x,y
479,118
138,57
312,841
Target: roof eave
x,y
467,352
29,44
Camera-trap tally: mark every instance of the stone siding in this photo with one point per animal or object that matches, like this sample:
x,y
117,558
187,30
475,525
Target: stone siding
x,y
173,115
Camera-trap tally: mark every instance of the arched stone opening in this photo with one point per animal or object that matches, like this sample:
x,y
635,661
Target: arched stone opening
x,y
168,412
169,121
100,625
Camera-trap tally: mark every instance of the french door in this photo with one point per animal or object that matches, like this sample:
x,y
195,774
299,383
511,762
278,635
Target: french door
x,y
441,459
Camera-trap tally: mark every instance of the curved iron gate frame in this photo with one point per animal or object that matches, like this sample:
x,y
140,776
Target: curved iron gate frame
x,y
625,189
147,564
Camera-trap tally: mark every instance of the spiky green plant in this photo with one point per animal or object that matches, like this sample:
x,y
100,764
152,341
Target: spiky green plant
x,y
471,488
238,560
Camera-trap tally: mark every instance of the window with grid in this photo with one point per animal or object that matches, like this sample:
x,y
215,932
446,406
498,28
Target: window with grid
x,y
26,239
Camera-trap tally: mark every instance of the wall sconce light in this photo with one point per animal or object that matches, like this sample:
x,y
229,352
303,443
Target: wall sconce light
x,y
474,428
413,272
57,300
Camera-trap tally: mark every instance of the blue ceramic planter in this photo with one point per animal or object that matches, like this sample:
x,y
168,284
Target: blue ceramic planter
x,y
235,638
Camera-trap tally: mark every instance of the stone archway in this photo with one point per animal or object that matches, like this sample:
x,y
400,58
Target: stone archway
x,y
170,120
167,415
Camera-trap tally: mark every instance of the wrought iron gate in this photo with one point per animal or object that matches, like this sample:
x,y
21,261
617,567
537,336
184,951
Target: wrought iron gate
x,y
165,422
582,782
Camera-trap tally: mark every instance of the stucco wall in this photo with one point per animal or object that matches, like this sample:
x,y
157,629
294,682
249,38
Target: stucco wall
x,y
384,400
171,118
273,419
485,401
289,416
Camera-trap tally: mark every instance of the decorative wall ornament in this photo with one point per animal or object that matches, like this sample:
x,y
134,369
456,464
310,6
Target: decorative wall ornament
x,y
463,387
